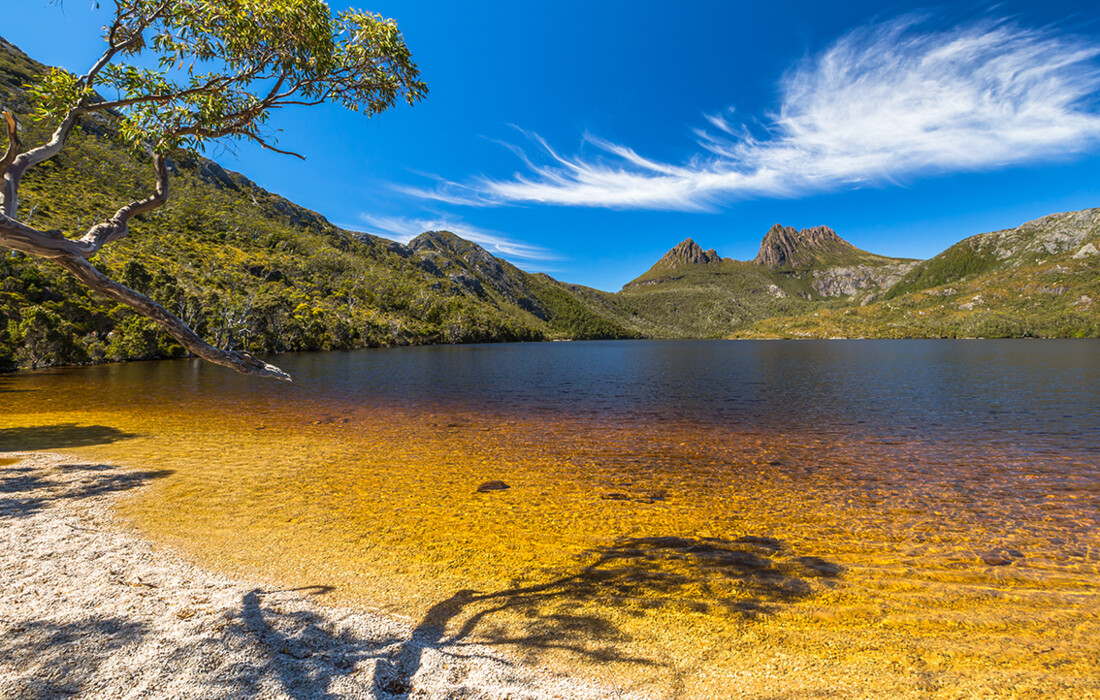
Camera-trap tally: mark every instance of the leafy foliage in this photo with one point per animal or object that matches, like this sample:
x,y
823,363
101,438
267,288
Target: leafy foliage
x,y
222,66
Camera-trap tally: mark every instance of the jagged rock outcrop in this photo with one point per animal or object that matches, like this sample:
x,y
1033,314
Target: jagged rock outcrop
x,y
688,252
675,263
784,246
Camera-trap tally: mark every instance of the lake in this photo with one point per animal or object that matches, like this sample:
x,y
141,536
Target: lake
x,y
682,517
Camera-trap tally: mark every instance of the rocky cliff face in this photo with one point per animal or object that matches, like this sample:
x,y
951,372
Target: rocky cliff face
x,y
1038,239
783,246
847,281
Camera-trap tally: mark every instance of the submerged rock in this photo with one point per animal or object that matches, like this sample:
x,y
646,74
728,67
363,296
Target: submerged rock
x,y
996,558
495,485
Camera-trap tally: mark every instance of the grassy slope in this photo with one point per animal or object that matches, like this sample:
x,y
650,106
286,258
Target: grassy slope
x,y
709,300
1022,282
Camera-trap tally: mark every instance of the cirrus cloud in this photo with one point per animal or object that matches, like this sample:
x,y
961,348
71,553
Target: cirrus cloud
x,y
882,103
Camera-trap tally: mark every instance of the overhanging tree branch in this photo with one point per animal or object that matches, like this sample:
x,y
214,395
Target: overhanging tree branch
x,y
240,361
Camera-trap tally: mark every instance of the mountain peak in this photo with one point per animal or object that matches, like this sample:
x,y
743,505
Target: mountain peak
x,y
688,252
436,240
784,246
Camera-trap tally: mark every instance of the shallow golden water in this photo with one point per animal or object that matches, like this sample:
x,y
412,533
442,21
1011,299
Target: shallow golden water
x,y
673,557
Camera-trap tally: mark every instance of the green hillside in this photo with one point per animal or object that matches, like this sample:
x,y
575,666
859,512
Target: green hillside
x,y
692,293
246,268
709,300
1041,279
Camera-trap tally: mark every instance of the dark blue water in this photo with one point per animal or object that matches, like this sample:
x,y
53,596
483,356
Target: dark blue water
x,y
1042,394
1047,391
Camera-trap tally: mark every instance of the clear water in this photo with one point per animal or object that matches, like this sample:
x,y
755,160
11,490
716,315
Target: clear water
x,y
857,517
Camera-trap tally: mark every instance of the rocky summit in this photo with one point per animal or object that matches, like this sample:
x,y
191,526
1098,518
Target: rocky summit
x,y
688,252
784,246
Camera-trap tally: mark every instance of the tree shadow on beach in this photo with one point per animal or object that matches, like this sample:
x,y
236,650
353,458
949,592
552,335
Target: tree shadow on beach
x,y
309,654
25,490
39,665
51,437
579,612
270,643
256,650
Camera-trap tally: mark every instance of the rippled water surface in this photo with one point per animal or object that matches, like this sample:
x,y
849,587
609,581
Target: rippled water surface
x,y
686,518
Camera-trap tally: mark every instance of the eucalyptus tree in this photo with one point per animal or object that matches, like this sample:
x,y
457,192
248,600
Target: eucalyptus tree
x,y
182,74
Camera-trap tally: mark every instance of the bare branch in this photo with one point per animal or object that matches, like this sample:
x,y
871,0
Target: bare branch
x,y
154,201
9,187
46,244
239,361
269,147
53,244
14,173
118,225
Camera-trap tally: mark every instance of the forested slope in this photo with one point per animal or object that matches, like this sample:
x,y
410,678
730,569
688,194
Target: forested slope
x,y
246,268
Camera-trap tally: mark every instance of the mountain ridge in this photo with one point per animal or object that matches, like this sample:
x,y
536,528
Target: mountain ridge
x,y
784,246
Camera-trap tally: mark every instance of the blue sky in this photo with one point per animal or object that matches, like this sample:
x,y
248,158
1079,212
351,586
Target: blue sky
x,y
585,139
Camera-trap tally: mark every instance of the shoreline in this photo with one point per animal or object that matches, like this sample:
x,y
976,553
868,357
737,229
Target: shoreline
x,y
91,608
24,371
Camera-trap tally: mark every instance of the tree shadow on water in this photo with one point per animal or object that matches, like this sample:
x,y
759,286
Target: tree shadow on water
x,y
50,437
579,612
26,490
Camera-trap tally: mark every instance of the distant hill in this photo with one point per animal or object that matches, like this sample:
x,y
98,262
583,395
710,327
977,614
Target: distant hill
x,y
693,293
1041,279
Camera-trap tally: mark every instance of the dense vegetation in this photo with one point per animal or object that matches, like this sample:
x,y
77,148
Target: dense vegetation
x,y
959,261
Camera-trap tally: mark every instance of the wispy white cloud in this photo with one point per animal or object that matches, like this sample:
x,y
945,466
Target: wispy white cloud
x,y
404,229
884,102
719,121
